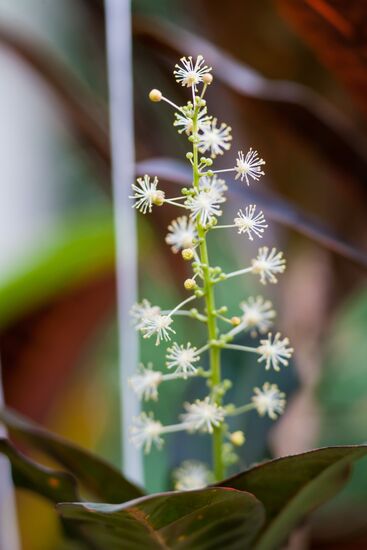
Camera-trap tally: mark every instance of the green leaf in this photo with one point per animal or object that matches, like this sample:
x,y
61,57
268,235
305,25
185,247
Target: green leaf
x,y
207,519
291,487
51,484
95,474
78,251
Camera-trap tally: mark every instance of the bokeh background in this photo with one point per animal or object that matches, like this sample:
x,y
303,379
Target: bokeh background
x,y
291,80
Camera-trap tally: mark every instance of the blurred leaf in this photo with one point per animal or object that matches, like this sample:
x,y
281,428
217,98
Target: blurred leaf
x,y
292,487
196,520
51,484
306,113
277,208
96,475
83,249
336,30
342,404
52,309
84,111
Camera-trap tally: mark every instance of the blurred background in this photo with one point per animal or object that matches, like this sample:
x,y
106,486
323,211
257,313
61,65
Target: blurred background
x,y
291,80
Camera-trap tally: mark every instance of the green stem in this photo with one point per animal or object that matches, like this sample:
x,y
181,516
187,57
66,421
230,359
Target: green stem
x,y
214,353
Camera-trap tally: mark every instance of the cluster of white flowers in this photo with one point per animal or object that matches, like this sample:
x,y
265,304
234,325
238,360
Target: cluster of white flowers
x,y
191,475
258,315
181,357
203,203
269,400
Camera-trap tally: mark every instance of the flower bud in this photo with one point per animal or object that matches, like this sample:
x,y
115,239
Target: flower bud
x,y
155,95
190,284
158,198
187,254
207,78
237,438
235,321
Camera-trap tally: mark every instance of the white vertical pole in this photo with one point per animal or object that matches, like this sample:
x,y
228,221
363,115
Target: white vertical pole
x,y
9,538
119,56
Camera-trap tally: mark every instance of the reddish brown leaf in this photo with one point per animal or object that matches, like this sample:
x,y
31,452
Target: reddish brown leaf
x,y
337,31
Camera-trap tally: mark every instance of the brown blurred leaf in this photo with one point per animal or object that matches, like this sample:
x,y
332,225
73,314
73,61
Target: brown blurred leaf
x,y
277,208
306,113
337,31
85,112
40,350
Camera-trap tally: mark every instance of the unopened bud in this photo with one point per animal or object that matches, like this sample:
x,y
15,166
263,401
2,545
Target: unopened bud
x,y
190,284
237,438
235,321
158,198
187,254
207,78
155,95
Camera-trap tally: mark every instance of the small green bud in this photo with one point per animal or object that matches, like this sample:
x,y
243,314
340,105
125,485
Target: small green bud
x,y
237,438
155,95
158,198
207,79
190,284
187,254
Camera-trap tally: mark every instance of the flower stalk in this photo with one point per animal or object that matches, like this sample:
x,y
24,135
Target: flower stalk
x,y
188,235
214,352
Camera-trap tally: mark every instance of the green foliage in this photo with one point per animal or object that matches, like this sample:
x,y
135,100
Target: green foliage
x,y
82,249
291,487
98,477
204,519
256,509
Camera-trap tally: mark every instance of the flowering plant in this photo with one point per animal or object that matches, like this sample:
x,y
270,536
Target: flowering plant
x,y
259,507
189,235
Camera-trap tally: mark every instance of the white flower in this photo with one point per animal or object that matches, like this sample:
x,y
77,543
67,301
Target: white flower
x,y
203,206
250,223
191,475
146,194
214,139
184,121
215,186
143,312
190,74
146,382
249,166
203,415
274,351
182,357
159,325
257,314
182,234
267,264
269,400
145,431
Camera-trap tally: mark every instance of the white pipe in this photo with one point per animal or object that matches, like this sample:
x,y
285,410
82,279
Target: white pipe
x,y
119,52
9,537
